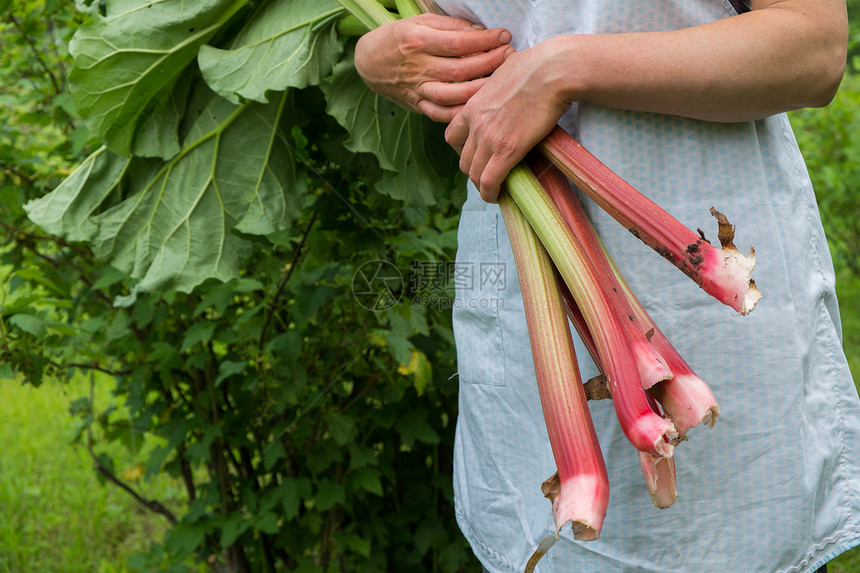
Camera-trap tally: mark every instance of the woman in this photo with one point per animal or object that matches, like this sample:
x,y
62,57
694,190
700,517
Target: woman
x,y
685,100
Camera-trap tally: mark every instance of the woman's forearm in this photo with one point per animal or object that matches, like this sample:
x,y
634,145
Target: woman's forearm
x,y
783,55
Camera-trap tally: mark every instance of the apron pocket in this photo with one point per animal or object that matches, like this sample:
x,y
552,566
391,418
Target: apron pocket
x,y
475,312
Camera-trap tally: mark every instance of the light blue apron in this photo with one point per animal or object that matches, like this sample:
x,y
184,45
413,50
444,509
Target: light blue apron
x,y
775,486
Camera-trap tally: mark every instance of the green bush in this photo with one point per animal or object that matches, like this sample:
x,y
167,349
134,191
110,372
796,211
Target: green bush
x,y
307,405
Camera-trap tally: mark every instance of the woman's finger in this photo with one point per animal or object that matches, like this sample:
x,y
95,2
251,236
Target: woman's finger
x,y
478,38
466,68
455,44
492,175
448,94
451,23
457,132
478,164
436,112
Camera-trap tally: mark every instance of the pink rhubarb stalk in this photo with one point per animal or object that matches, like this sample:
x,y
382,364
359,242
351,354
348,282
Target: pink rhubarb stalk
x,y
580,492
646,431
686,398
652,367
723,273
659,472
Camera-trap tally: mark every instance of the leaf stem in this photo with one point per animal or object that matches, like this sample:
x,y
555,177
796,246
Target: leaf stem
x,y
151,504
370,12
36,52
286,277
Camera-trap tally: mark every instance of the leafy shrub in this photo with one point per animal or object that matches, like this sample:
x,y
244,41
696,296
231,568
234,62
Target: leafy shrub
x,y
307,403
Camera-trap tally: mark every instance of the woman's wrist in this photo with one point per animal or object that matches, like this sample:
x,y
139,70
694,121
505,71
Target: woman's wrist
x,y
566,66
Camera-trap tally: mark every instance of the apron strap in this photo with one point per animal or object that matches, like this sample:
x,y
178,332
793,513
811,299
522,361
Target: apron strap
x,y
741,6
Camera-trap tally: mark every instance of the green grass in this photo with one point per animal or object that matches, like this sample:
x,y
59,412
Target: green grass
x,y
55,515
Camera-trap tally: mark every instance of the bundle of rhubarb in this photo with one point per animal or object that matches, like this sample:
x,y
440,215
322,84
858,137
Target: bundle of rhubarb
x,y
565,274
567,278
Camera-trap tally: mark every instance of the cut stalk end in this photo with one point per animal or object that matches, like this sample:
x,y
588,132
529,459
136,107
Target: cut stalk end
x,y
726,272
660,478
597,389
580,500
687,400
652,367
653,434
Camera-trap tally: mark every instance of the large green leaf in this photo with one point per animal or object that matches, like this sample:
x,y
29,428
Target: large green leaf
x,y
126,60
68,211
169,223
408,146
158,132
286,44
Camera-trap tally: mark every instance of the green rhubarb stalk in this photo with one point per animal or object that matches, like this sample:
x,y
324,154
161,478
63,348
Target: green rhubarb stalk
x,y
647,431
369,12
407,8
351,27
652,367
723,273
580,492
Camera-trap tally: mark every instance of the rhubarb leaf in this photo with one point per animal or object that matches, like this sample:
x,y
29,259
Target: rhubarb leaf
x,y
170,223
158,132
67,210
408,146
285,44
127,59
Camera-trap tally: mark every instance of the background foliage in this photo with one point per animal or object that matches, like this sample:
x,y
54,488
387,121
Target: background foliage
x,y
299,430
307,432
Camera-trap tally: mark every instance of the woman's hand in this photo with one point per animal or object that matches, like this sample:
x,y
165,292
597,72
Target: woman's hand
x,y
430,64
514,110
